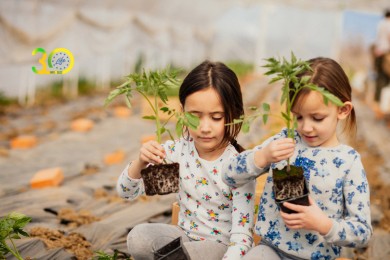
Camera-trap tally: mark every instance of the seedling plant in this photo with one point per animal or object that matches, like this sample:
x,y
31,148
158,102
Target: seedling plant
x,y
287,72
11,227
289,183
153,87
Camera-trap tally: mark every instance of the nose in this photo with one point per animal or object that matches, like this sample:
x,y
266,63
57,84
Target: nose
x,y
306,126
204,125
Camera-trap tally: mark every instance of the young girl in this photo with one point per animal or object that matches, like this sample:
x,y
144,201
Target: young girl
x,y
214,218
339,211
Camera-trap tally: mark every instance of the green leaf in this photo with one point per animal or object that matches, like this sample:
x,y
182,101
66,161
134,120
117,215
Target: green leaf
x,y
162,130
293,58
113,94
10,228
285,116
149,117
15,236
23,233
179,128
265,118
192,120
164,109
266,107
127,100
305,80
20,220
245,127
275,79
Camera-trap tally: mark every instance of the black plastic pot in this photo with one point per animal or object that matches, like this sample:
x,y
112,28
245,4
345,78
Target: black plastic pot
x,y
161,179
292,179
300,200
172,251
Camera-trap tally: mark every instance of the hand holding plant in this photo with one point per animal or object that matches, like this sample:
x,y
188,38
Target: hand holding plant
x,y
288,183
153,87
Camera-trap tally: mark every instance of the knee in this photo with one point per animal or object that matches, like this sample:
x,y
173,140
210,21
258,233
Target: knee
x,y
135,241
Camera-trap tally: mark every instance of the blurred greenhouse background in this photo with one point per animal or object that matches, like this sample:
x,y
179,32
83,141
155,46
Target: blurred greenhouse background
x,y
108,38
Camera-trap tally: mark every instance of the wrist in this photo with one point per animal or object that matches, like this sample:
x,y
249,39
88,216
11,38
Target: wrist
x,y
259,159
325,227
134,169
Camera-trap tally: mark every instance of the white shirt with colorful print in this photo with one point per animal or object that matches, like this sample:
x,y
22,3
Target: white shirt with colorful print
x,y
337,183
209,209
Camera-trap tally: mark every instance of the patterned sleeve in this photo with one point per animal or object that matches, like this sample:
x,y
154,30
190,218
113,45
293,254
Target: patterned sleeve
x,y
242,169
354,230
241,238
129,188
173,150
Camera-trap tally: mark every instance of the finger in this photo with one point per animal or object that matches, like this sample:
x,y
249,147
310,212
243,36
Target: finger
x,y
297,226
311,201
155,148
287,141
289,216
158,150
285,144
293,222
150,156
295,207
284,153
157,145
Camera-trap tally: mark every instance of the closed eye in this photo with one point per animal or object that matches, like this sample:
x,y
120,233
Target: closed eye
x,y
217,118
317,119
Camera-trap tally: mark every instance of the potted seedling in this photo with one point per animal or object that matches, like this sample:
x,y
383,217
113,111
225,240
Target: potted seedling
x,y
153,87
289,182
11,227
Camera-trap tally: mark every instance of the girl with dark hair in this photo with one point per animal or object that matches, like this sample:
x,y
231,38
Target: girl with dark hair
x,y
215,220
339,210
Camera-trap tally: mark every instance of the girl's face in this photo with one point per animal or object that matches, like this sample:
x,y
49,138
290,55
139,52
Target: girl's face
x,y
207,106
317,122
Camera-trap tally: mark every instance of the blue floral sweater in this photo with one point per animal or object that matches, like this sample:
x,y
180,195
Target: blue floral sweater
x,y
337,183
209,209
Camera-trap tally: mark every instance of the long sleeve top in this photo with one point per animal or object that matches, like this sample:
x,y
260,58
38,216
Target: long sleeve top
x,y
337,183
209,209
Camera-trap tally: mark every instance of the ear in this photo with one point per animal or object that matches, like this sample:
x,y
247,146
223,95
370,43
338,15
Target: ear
x,y
344,110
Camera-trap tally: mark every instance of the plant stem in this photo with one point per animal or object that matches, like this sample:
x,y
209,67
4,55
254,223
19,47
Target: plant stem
x,y
166,122
155,111
158,127
290,133
15,251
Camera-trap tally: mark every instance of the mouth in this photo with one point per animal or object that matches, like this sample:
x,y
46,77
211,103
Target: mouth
x,y
206,139
309,138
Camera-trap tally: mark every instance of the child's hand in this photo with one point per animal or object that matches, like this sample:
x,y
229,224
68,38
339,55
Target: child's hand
x,y
151,152
307,217
275,151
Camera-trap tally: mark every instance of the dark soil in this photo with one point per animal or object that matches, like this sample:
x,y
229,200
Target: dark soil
x,y
161,179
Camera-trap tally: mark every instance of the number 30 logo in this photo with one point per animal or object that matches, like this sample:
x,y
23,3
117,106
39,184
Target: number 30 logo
x,y
60,61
